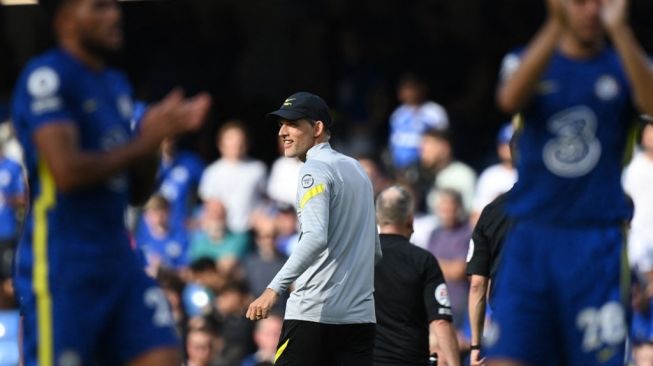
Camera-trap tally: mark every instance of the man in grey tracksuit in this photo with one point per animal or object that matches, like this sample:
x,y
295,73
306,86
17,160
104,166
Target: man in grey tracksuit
x,y
330,314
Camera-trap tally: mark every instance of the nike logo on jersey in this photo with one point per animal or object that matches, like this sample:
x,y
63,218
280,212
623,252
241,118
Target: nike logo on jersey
x,y
90,106
547,87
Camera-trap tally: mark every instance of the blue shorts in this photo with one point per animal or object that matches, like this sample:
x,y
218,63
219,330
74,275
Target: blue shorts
x,y
559,297
104,312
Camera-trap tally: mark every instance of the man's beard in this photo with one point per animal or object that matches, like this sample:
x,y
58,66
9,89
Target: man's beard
x,y
100,51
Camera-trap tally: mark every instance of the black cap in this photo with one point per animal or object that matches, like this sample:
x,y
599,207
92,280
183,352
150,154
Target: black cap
x,y
302,105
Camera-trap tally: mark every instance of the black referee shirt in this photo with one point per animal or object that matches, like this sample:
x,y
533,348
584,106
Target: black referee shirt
x,y
487,239
410,292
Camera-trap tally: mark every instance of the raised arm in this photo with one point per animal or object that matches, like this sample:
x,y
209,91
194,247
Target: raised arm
x,y
73,168
638,69
518,84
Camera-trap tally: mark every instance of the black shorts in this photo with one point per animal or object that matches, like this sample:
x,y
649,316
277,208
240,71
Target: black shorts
x,y
309,343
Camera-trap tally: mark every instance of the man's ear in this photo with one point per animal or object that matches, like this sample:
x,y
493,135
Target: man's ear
x,y
409,222
318,128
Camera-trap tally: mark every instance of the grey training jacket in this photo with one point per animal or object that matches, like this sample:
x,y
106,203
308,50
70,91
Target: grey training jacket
x,y
333,262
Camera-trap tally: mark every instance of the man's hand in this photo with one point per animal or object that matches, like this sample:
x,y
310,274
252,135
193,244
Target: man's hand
x,y
614,14
174,115
260,308
474,358
555,11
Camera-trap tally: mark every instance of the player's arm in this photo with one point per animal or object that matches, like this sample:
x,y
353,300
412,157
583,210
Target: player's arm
x,y
478,269
518,87
314,190
438,311
477,303
73,168
447,342
314,195
638,68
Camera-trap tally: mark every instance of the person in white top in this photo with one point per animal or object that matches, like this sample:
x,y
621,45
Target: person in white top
x,y
437,155
498,178
637,180
282,184
411,119
234,179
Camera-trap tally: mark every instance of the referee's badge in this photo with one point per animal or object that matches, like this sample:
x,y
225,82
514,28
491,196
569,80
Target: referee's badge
x,y
470,251
307,180
442,295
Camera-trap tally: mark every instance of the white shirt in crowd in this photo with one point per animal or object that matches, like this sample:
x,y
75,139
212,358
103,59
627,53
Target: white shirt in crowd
x,y
459,176
493,181
238,185
284,175
637,184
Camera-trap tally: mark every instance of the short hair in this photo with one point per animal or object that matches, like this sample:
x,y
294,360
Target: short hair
x,y
170,280
443,135
157,202
394,206
203,264
233,124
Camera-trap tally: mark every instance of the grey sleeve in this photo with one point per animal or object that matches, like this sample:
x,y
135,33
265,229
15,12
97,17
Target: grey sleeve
x,y
313,210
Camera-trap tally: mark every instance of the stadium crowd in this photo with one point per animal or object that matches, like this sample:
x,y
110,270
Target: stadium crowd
x,y
215,233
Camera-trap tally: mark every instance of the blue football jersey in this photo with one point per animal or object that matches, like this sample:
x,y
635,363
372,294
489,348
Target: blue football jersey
x,y
178,184
171,250
55,88
571,147
11,185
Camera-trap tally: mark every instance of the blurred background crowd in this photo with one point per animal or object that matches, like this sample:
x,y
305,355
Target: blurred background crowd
x,y
411,87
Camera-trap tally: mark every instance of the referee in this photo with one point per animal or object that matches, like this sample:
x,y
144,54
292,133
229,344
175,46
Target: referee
x,y
482,262
329,316
410,292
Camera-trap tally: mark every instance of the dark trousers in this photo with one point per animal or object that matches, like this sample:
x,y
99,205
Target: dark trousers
x,y
305,343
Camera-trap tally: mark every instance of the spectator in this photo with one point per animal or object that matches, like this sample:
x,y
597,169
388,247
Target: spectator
x,y
173,286
636,180
286,226
203,344
266,337
262,265
232,301
213,239
234,179
376,174
12,199
179,176
498,178
411,119
162,244
437,155
637,183
9,313
283,178
204,272
449,244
